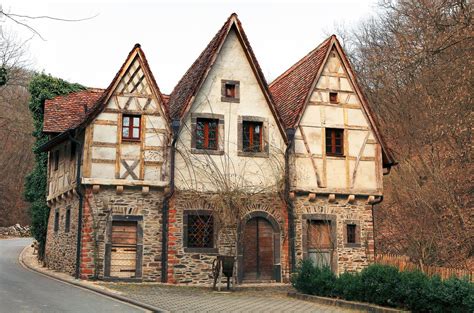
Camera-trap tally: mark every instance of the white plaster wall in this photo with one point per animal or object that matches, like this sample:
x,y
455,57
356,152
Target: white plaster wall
x,y
336,172
231,64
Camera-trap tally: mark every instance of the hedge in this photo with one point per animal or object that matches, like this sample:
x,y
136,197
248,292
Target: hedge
x,y
387,286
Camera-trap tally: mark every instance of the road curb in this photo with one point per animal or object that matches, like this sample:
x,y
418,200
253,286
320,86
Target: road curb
x,y
80,284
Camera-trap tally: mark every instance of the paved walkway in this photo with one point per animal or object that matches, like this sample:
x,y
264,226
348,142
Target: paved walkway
x,y
22,290
188,299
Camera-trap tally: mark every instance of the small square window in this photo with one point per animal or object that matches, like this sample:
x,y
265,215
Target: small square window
x,y
230,91
333,97
131,127
200,231
207,133
335,141
351,233
252,136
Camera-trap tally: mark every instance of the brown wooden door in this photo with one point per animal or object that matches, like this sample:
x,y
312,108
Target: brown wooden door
x,y
258,250
124,249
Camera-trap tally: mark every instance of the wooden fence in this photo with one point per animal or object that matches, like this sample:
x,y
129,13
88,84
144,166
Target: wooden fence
x,y
403,263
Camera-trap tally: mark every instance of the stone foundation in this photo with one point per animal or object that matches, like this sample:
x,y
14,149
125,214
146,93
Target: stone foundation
x,y
347,257
60,250
189,266
99,210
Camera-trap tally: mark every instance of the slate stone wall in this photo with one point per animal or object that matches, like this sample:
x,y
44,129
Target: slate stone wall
x,y
195,267
99,209
60,250
347,257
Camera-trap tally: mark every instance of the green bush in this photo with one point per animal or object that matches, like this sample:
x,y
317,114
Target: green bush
x,y
385,285
313,280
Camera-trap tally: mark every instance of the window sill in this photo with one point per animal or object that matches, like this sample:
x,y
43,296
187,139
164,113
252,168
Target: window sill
x,y
134,141
229,99
207,151
352,245
202,250
335,156
253,154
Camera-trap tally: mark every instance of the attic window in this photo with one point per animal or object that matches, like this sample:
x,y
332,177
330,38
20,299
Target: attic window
x,y
131,127
230,91
333,97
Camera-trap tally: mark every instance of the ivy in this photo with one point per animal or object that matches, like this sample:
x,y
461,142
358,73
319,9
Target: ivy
x,y
41,88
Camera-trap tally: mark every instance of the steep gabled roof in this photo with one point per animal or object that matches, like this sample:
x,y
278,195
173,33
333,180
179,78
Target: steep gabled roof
x,y
186,89
65,112
136,52
291,90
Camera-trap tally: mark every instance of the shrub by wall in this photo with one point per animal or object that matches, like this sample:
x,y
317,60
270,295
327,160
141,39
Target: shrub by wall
x,y
387,286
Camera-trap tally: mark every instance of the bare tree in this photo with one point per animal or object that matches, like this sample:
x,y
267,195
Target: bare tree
x,y
414,61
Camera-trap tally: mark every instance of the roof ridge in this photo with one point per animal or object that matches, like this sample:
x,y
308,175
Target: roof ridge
x,y
302,60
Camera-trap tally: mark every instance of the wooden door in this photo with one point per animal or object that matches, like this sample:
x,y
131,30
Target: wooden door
x,y
258,250
124,249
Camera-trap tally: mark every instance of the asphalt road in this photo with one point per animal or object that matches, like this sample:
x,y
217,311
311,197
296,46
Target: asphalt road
x,y
22,290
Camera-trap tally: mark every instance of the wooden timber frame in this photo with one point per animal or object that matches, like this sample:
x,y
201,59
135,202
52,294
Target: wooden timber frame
x,y
139,247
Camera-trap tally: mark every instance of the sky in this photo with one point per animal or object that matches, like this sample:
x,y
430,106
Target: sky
x,y
171,33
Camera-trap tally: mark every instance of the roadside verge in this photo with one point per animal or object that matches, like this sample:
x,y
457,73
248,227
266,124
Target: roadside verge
x,y
29,261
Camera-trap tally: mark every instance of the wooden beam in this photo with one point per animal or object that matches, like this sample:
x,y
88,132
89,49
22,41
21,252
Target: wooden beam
x,y
313,162
359,156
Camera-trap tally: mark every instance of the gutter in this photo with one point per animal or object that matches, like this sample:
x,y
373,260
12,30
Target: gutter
x,y
175,126
290,134
81,200
379,200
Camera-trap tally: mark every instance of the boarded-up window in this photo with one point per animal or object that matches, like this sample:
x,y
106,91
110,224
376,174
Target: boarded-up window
x,y
124,249
319,242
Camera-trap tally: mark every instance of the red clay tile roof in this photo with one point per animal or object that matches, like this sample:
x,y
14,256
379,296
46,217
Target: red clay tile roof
x,y
291,88
194,76
65,112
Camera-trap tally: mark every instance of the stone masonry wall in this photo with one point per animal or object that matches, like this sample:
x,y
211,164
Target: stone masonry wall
x,y
60,253
98,211
347,258
194,267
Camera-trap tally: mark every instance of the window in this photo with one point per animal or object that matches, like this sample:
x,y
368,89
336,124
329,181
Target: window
x,y
333,97
56,221
56,160
334,141
67,225
351,233
252,136
230,91
73,150
200,230
131,127
207,133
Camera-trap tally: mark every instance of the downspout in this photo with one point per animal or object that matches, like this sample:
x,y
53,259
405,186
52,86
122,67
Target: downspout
x,y
166,201
290,134
380,199
81,199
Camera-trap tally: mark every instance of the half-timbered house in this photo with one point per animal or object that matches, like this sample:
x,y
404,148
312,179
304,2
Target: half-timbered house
x,y
147,186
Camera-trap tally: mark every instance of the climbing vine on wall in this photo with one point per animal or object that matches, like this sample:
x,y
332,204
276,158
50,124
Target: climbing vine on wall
x,y
41,88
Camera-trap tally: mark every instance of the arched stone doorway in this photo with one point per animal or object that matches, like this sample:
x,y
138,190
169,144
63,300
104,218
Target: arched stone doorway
x,y
259,248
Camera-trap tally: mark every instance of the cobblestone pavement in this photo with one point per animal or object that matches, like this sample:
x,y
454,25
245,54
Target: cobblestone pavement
x,y
189,299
